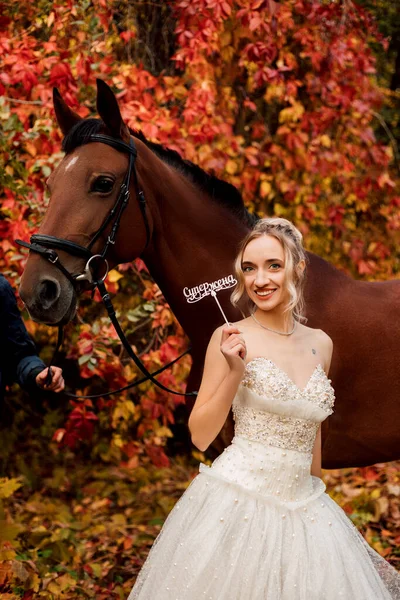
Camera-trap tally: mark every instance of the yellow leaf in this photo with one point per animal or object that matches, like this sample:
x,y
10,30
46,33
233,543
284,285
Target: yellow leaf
x,y
284,186
9,531
33,582
279,210
124,410
326,183
350,199
225,38
274,91
98,530
325,141
265,189
118,441
204,151
54,588
164,432
96,568
231,167
180,92
200,457
228,53
31,148
378,547
114,276
291,114
7,554
8,487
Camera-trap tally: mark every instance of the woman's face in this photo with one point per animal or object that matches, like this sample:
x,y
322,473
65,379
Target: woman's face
x,y
263,267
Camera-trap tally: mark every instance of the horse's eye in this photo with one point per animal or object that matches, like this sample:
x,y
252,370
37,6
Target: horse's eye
x,y
104,185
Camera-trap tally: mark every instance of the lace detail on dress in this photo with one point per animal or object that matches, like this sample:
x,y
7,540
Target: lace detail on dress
x,y
273,381
275,430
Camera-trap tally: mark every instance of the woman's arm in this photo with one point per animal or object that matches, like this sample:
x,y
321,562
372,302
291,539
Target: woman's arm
x,y
223,370
316,460
327,348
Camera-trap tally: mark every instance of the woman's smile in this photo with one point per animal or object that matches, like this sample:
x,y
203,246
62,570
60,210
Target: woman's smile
x,y
265,293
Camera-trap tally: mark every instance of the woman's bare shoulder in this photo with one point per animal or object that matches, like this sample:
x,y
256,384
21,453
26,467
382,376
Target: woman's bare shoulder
x,y
324,338
321,343
317,334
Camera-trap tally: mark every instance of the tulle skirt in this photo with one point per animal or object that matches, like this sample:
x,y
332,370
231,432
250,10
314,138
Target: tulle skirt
x,y
258,526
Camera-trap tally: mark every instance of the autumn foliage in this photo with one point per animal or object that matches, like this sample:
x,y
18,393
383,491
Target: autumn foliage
x,y
284,101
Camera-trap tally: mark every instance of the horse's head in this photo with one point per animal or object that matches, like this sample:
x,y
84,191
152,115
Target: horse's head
x,y
87,204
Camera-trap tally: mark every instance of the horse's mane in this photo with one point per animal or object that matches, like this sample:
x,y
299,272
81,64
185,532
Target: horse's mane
x,y
220,191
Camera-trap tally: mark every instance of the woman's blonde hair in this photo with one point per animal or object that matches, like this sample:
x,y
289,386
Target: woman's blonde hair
x,y
292,241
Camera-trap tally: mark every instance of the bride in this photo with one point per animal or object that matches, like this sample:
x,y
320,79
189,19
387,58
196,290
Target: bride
x,y
257,524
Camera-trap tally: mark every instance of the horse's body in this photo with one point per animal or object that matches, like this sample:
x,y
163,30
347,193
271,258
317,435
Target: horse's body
x,y
196,224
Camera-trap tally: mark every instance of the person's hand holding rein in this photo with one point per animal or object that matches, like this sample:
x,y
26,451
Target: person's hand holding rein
x,y
233,347
57,383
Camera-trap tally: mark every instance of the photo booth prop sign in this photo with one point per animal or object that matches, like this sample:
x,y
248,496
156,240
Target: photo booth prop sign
x,y
199,292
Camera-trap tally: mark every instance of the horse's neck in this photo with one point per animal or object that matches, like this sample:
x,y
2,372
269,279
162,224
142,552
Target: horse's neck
x,y
194,240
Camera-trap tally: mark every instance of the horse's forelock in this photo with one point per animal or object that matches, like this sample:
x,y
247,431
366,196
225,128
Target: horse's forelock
x,y
80,133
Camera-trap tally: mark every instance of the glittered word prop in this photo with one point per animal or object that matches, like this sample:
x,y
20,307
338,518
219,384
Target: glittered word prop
x,y
199,292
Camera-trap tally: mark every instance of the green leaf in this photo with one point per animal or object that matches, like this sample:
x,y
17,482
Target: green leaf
x,y
149,307
46,170
84,359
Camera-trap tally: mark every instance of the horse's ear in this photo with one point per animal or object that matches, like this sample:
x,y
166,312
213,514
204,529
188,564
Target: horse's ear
x,y
66,117
108,109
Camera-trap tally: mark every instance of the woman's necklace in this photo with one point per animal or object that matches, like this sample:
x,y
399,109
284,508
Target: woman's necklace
x,y
274,330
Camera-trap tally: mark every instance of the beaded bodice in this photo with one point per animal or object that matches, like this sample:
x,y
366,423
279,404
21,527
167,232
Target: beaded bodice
x,y
270,408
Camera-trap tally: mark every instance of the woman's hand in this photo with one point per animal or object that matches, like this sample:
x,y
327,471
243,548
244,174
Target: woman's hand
x,y
233,347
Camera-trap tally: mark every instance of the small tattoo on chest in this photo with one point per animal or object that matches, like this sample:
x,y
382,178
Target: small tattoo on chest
x,y
313,350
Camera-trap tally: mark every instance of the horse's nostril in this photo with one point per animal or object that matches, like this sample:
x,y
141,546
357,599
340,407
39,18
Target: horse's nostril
x,y
49,292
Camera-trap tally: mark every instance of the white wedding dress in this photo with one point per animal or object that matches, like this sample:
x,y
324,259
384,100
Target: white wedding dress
x,y
256,525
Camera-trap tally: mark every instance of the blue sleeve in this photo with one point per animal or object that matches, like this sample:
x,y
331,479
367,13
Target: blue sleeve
x,y
20,358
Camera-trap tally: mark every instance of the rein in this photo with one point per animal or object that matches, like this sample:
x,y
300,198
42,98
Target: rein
x,y
96,268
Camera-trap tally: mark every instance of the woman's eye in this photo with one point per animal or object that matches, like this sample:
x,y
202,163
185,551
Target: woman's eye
x,y
104,185
276,266
246,269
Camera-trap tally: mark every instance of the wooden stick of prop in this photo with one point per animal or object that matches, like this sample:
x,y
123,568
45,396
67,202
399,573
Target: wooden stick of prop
x,y
214,295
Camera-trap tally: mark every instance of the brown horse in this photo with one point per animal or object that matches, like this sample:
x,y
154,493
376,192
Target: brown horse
x,y
195,224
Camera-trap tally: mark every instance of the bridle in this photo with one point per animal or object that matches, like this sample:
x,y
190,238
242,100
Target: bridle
x,y
96,268
45,245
